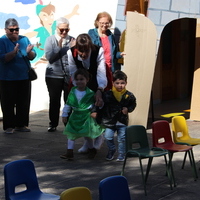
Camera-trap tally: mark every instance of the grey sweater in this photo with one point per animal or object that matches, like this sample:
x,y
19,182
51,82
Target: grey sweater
x,y
54,54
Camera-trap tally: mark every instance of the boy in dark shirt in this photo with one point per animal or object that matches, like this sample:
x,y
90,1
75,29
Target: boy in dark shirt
x,y
118,102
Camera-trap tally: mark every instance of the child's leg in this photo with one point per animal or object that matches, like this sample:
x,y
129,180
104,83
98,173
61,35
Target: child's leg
x,y
91,149
84,148
70,144
70,154
109,136
90,142
121,142
98,142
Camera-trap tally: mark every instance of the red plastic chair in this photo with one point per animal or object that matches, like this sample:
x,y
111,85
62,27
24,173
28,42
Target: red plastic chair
x,y
162,138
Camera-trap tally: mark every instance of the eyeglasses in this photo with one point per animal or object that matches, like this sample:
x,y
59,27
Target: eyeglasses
x,y
13,29
63,29
105,23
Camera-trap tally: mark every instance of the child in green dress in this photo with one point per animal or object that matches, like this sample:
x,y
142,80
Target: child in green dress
x,y
80,123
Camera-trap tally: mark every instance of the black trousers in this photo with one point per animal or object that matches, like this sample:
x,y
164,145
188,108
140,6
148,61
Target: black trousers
x,y
15,103
55,87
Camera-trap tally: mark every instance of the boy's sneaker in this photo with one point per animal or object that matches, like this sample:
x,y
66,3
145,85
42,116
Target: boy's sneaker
x,y
120,158
110,154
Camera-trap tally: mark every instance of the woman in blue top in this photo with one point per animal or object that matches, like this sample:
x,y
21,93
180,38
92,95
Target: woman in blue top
x,y
15,86
103,37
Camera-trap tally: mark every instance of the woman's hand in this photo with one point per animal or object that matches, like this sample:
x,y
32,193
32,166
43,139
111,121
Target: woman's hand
x,y
72,42
60,42
30,53
98,97
16,49
123,54
29,48
93,115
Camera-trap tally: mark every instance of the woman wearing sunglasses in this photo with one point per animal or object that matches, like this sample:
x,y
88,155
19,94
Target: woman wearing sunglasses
x,y
15,86
57,71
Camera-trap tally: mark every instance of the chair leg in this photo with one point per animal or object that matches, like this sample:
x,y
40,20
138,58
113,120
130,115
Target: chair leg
x,y
168,169
148,168
143,179
122,172
193,164
171,166
184,160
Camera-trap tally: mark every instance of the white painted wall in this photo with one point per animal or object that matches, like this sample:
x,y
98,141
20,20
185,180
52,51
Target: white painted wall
x,y
81,23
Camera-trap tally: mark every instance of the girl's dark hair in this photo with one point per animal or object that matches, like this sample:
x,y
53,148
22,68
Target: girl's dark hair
x,y
119,75
82,72
84,43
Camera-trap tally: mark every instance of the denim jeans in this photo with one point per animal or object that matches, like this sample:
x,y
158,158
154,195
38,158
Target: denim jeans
x,y
109,136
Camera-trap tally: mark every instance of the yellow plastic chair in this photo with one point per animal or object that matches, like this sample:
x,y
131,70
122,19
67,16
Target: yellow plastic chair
x,y
76,193
181,134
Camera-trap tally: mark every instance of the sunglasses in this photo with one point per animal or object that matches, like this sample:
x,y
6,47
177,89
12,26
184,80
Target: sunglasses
x,y
63,29
13,29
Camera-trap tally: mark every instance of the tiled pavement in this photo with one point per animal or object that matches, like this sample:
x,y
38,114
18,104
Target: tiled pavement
x,y
56,175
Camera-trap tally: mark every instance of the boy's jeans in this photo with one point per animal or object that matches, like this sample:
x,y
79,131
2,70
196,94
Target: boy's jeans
x,y
109,135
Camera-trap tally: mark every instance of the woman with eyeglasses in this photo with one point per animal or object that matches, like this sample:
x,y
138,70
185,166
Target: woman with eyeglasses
x,y
16,52
57,71
103,37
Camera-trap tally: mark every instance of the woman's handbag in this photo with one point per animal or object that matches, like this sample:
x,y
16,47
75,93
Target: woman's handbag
x,y
31,71
32,74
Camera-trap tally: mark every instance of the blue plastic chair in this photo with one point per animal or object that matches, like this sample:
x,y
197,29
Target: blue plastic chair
x,y
22,172
114,188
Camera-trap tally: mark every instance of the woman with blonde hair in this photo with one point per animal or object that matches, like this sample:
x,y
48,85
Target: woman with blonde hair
x,y
103,37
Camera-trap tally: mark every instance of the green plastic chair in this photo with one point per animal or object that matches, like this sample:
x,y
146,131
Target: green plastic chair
x,y
137,146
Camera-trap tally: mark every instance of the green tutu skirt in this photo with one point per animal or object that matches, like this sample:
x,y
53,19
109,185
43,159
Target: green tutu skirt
x,y
81,124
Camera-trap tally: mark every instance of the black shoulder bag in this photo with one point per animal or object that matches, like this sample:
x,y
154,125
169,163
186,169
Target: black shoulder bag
x,y
66,76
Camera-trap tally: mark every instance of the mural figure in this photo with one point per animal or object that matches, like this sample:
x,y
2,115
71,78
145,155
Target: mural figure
x,y
46,16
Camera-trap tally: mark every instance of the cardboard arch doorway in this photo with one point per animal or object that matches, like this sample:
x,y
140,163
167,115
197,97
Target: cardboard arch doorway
x,y
139,63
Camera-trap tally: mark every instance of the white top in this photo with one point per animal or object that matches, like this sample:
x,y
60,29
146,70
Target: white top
x,y
101,69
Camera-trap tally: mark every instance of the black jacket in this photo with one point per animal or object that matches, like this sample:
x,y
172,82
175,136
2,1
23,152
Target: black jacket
x,y
112,109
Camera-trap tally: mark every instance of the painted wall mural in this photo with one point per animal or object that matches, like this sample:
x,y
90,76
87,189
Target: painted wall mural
x,y
37,21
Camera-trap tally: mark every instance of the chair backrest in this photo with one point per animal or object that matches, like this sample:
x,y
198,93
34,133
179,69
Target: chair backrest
x,y
20,172
180,129
76,193
161,133
114,188
136,137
